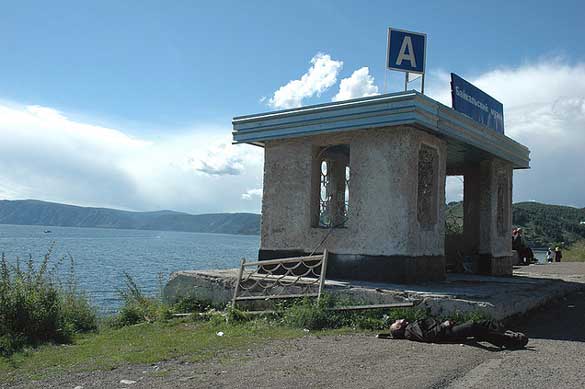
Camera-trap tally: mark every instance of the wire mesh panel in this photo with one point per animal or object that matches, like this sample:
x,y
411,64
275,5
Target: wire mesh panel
x,y
333,196
325,195
281,278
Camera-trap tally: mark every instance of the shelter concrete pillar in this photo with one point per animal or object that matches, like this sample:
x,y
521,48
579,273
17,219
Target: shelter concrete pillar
x,y
471,201
495,217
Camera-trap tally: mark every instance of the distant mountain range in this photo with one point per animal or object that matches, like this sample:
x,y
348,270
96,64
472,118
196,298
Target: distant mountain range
x,y
543,224
34,212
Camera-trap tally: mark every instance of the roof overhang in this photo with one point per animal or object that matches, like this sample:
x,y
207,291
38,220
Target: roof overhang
x,y
467,140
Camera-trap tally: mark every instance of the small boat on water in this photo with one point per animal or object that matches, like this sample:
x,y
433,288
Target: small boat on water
x,y
47,231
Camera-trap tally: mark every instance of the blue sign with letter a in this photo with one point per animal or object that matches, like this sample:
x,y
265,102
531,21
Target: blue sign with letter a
x,y
406,51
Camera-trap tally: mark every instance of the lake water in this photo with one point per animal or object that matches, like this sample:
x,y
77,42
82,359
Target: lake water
x,y
540,255
103,255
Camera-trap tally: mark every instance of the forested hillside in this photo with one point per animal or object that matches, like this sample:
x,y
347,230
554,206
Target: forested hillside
x,y
546,225
543,224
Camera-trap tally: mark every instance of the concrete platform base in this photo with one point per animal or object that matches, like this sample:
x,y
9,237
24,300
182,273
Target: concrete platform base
x,y
500,297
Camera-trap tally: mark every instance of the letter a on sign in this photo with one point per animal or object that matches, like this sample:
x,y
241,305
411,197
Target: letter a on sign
x,y
406,51
406,45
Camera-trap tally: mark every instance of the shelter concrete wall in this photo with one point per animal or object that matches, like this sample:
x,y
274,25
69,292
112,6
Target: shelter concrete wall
x,y
382,201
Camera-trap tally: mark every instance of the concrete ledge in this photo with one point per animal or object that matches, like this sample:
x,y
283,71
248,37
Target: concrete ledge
x,y
215,286
500,297
395,268
374,268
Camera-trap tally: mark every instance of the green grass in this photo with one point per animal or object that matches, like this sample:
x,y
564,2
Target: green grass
x,y
188,340
144,332
143,343
575,253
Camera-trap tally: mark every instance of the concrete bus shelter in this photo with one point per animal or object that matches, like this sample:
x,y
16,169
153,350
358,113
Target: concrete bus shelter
x,y
365,178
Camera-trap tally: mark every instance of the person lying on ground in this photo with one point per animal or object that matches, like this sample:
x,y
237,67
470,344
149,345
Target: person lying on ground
x,y
432,331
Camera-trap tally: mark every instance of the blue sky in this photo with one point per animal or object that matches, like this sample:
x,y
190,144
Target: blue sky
x,y
164,74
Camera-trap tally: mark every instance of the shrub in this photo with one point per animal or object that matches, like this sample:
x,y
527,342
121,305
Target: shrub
x,y
215,318
314,315
191,304
378,319
311,314
35,308
237,315
460,318
79,314
139,308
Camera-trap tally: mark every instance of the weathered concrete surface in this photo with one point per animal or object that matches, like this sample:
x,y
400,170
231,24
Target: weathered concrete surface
x,y
501,297
488,215
495,202
383,202
215,286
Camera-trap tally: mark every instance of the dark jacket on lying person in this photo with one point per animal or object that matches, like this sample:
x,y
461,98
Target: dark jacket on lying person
x,y
433,331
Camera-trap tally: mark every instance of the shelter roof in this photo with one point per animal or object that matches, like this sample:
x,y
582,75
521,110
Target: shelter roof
x,y
467,140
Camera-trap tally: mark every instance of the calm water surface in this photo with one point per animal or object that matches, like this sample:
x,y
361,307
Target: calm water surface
x,y
103,255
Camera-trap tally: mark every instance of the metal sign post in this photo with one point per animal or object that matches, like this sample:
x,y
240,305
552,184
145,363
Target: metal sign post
x,y
407,53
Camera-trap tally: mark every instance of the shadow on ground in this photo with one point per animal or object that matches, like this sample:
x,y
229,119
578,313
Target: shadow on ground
x,y
561,319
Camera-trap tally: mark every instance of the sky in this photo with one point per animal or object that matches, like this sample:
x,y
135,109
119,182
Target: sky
x,y
128,104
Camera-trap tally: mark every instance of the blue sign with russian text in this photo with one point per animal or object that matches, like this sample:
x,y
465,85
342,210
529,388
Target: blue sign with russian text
x,y
406,51
476,104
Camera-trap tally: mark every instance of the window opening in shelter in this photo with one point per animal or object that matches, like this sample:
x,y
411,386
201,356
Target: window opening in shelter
x,y
334,177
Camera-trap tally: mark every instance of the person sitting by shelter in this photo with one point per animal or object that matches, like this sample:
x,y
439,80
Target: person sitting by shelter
x,y
432,331
517,239
525,253
558,254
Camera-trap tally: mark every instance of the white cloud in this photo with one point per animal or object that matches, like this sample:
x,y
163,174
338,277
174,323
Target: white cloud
x,y
219,159
544,109
45,155
359,84
321,76
251,193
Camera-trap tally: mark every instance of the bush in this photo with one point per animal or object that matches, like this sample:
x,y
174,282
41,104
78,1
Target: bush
x,y
460,318
190,305
35,308
378,319
140,308
310,314
314,315
137,307
237,315
78,313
